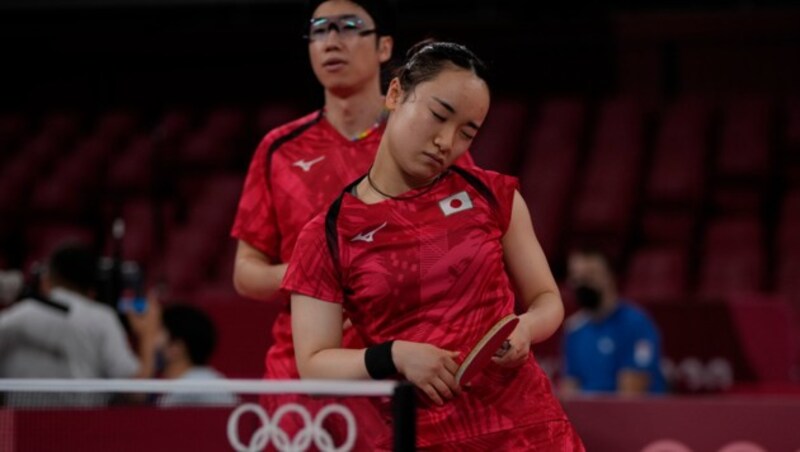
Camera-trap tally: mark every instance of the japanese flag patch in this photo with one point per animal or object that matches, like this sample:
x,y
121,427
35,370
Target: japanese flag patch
x,y
455,203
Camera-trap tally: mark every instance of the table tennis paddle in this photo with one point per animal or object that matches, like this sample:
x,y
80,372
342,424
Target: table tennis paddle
x,y
488,346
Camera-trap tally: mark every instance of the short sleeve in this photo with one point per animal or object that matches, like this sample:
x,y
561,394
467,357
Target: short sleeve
x,y
311,270
642,344
256,222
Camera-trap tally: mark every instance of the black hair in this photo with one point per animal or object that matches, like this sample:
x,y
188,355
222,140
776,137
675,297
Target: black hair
x,y
74,265
382,12
426,59
590,249
192,326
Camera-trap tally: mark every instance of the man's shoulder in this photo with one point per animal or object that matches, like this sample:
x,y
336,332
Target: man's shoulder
x,y
286,132
25,308
575,322
630,312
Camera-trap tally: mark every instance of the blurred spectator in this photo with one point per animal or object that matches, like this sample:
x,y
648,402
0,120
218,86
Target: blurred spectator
x,y
610,345
11,284
66,333
189,343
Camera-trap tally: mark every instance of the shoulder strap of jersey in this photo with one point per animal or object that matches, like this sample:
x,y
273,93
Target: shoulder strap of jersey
x,y
478,185
331,219
291,135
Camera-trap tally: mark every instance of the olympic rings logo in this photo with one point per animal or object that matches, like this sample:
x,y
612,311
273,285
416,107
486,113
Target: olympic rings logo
x,y
270,430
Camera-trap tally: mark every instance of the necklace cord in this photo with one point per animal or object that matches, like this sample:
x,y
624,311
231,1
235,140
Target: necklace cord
x,y
428,187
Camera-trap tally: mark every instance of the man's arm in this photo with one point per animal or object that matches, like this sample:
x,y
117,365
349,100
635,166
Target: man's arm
x,y
254,275
568,386
632,382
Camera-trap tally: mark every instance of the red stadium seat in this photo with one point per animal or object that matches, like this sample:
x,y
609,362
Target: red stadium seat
x,y
791,141
733,233
677,178
497,146
733,272
43,238
744,160
549,167
12,128
132,172
116,126
733,258
20,174
745,151
657,275
788,277
61,126
74,183
608,190
668,227
790,208
203,150
274,115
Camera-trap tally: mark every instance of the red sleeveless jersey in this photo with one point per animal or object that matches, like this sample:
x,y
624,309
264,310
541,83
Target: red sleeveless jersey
x,y
430,269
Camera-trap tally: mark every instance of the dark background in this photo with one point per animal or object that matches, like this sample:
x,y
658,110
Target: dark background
x,y
200,52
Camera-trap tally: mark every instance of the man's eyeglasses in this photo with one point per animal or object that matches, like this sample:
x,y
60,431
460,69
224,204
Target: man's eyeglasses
x,y
348,26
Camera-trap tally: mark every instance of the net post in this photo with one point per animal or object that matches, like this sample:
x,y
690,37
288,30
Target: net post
x,y
405,418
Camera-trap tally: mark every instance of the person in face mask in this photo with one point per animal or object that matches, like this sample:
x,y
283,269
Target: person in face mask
x,y
610,345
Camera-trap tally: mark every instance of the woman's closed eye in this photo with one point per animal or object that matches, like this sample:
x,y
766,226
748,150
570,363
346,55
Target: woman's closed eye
x,y
443,118
440,118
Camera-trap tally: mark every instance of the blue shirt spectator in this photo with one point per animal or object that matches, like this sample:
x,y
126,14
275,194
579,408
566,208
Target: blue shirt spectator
x,y
610,345
597,350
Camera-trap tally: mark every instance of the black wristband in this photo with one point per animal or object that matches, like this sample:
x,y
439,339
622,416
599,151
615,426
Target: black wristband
x,y
379,362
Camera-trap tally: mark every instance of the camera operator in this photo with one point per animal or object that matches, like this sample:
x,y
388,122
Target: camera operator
x,y
66,333
11,284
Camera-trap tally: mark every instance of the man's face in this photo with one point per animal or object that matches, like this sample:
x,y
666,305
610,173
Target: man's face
x,y
344,49
590,278
589,270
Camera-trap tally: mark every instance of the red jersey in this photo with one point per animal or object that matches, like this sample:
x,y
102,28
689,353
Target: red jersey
x,y
298,169
430,269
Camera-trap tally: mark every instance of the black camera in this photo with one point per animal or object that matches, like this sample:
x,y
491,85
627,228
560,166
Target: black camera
x,y
121,285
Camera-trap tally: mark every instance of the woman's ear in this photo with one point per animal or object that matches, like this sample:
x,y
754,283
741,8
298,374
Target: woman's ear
x,y
394,94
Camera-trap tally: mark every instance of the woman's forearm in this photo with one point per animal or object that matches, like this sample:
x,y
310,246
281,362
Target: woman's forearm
x,y
543,317
334,363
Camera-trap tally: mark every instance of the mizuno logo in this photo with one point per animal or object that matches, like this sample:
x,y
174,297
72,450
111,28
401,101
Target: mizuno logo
x,y
368,236
306,165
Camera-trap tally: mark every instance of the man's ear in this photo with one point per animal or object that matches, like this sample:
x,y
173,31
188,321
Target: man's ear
x,y
385,47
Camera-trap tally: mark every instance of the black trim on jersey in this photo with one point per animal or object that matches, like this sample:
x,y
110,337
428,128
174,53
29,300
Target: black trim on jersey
x,y
294,133
332,216
478,185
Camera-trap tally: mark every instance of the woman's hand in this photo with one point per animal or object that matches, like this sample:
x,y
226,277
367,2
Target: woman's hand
x,y
430,368
518,347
